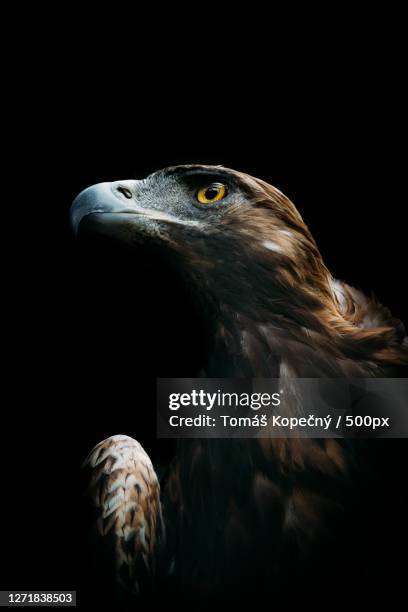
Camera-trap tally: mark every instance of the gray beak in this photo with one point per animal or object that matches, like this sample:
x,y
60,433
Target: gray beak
x,y
104,198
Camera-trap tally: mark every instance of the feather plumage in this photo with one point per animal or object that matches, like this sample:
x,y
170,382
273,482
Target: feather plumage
x,y
272,510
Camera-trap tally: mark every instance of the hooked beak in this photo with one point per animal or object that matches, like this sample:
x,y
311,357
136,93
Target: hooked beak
x,y
105,198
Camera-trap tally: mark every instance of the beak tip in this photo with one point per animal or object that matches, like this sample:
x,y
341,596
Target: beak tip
x,y
91,199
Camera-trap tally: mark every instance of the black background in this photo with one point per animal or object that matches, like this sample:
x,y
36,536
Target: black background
x,y
90,331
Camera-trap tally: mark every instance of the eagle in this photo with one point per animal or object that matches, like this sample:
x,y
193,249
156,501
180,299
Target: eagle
x,y
237,519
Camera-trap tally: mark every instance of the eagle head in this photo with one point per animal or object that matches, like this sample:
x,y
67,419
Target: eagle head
x,y
228,230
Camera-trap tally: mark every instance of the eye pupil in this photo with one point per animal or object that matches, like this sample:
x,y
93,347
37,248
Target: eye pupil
x,y
212,192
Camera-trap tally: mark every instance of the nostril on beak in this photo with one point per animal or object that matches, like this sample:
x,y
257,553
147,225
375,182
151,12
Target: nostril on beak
x,y
126,192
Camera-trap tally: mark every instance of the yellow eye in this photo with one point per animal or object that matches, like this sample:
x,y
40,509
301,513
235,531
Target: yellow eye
x,y
211,193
